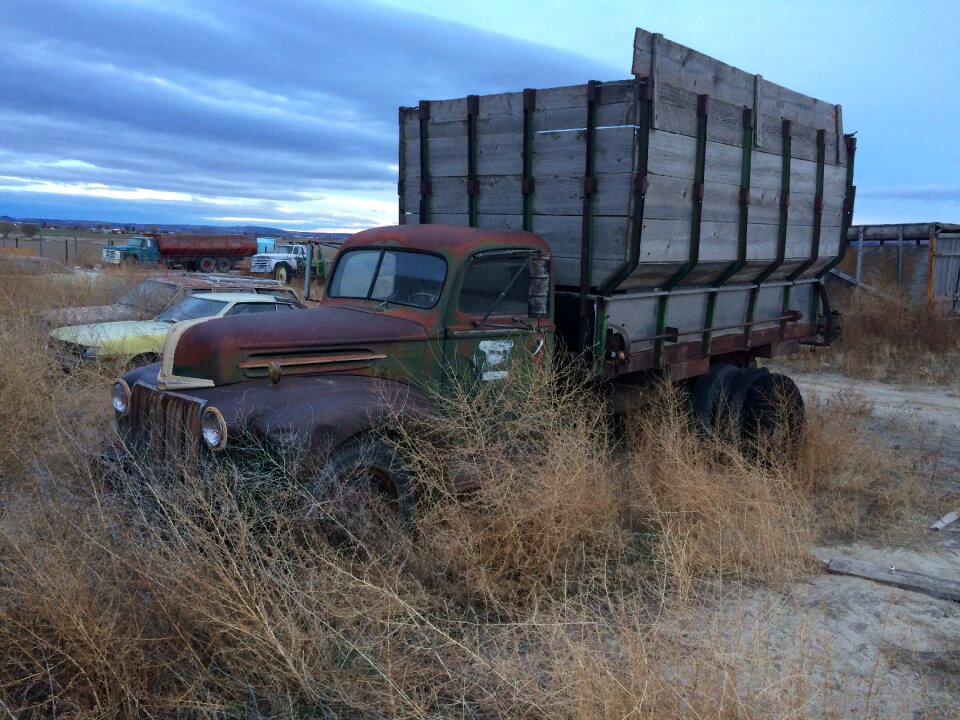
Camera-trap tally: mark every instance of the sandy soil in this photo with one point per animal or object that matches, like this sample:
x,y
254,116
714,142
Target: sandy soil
x,y
892,653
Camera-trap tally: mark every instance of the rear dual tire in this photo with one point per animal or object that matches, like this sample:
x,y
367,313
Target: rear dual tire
x,y
761,411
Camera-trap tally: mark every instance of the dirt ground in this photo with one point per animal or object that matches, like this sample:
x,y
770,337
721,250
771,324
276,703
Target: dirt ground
x,y
890,652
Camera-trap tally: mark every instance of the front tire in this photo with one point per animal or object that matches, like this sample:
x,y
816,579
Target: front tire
x,y
364,490
283,273
224,265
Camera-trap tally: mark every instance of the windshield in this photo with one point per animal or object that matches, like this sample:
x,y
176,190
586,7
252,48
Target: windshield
x,y
191,308
287,249
150,296
404,278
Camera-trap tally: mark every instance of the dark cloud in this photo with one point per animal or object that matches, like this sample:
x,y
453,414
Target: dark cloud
x,y
273,102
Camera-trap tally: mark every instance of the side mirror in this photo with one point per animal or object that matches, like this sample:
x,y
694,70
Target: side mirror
x,y
538,295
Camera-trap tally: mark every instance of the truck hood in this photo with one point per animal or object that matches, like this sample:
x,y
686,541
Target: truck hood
x,y
223,351
101,334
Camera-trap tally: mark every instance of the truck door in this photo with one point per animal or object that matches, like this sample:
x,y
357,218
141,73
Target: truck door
x,y
490,326
150,252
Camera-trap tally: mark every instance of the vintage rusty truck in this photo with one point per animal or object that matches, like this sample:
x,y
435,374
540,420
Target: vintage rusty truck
x,y
675,224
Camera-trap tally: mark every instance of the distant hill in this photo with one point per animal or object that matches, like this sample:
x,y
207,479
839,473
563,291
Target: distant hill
x,y
259,230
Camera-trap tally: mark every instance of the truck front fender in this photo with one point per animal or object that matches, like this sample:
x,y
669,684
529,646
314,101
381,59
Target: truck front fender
x,y
319,413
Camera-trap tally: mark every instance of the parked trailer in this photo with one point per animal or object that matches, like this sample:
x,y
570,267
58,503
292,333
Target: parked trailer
x,y
677,224
207,253
691,212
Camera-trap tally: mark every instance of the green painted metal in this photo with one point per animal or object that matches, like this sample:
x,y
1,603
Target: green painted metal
x,y
817,222
402,180
695,223
473,186
589,202
787,128
817,207
425,187
641,148
527,184
598,350
851,143
746,167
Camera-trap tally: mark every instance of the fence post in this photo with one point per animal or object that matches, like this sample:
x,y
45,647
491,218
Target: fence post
x,y
899,256
859,256
932,262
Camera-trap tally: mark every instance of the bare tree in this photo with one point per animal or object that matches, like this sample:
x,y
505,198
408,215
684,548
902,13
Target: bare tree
x,y
29,230
6,228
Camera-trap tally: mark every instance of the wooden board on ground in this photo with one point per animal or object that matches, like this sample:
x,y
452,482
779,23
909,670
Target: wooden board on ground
x,y
937,587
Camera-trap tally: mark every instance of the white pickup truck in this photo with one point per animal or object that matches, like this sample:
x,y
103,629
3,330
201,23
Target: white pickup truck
x,y
283,262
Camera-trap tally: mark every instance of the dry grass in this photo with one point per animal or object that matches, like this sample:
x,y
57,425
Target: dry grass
x,y
46,417
888,336
588,575
713,510
861,487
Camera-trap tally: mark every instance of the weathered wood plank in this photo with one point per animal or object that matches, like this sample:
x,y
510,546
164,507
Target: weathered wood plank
x,y
678,114
699,73
948,519
917,582
555,108
554,153
502,195
668,198
562,232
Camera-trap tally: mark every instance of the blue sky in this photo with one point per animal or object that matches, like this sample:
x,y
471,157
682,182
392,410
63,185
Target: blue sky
x,y
284,113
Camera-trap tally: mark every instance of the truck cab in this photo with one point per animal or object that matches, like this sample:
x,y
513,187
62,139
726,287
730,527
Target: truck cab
x,y
406,309
282,261
137,249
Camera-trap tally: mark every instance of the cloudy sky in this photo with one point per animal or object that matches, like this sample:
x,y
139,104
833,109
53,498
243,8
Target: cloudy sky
x,y
283,112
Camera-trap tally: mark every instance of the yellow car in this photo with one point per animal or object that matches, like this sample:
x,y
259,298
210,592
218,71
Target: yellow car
x,y
132,343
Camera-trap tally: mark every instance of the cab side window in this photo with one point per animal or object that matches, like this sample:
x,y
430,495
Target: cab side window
x,y
487,278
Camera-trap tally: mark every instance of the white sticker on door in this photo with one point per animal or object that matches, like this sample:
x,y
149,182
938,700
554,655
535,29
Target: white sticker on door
x,y
496,358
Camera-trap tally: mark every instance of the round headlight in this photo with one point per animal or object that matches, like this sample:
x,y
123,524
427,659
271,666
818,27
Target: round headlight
x,y
213,428
121,397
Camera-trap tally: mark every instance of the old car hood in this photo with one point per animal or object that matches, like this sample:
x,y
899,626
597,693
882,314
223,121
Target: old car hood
x,y
91,314
97,334
229,350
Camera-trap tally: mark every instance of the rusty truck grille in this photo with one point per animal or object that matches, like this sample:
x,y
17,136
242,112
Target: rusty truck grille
x,y
164,427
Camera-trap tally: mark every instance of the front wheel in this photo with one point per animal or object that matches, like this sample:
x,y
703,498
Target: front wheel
x,y
364,490
283,273
224,265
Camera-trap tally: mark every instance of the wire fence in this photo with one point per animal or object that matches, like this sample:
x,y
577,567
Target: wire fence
x,y
68,249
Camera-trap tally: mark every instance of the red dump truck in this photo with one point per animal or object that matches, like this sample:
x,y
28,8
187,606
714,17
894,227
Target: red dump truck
x,y
207,253
674,225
